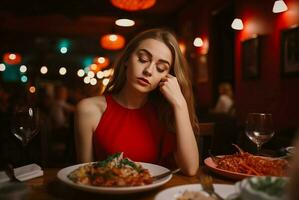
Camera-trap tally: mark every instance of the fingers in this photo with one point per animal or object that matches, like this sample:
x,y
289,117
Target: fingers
x,y
163,80
170,76
167,78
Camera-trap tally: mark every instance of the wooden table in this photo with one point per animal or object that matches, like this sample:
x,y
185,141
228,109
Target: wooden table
x,y
49,187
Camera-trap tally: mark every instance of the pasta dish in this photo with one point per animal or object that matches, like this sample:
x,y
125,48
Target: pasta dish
x,y
246,163
114,171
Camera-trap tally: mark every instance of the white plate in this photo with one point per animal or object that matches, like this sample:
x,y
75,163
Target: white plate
x,y
153,169
173,193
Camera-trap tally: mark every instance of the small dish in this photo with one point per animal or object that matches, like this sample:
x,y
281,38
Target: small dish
x,y
174,193
262,188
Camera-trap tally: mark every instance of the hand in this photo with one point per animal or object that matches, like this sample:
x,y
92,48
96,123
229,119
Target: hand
x,y
171,90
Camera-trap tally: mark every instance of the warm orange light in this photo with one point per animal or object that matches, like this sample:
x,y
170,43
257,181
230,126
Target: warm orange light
x,y
113,42
12,58
133,5
182,47
32,89
94,67
101,62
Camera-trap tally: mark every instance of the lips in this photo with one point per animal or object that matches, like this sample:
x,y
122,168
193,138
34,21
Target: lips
x,y
143,80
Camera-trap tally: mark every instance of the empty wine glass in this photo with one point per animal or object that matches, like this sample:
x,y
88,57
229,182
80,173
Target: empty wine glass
x,y
259,128
25,123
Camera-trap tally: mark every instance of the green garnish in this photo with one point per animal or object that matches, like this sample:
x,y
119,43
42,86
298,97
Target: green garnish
x,y
104,163
271,187
126,161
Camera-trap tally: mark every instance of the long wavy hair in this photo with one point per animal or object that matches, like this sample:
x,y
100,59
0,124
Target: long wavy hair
x,y
179,69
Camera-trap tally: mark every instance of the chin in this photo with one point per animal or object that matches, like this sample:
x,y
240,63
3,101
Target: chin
x,y
143,89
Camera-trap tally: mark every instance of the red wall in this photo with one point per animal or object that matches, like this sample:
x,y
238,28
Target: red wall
x,y
270,93
199,15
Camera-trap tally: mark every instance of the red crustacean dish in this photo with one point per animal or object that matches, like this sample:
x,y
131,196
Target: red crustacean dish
x,y
243,164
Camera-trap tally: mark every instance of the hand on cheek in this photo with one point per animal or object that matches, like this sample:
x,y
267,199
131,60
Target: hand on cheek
x,y
171,90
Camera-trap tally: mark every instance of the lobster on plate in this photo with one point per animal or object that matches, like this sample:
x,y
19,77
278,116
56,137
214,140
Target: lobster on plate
x,y
246,163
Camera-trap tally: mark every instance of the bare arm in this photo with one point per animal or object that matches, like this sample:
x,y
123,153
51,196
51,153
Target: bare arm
x,y
187,156
87,116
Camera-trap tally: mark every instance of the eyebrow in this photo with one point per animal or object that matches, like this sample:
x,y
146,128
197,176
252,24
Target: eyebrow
x,y
150,55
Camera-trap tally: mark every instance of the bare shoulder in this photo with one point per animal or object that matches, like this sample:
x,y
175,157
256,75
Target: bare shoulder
x,y
97,103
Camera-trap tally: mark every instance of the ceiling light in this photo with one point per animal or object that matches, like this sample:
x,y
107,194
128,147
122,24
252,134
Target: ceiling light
x,y
32,89
24,78
43,70
133,5
80,72
113,41
279,6
237,24
100,74
198,42
62,71
93,81
91,74
105,81
2,67
86,80
12,58
125,22
23,68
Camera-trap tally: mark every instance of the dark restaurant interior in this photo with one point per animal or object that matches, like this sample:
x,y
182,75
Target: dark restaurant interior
x,y
49,46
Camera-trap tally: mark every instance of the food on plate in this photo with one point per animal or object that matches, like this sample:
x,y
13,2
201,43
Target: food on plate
x,y
262,188
114,171
193,195
270,186
246,163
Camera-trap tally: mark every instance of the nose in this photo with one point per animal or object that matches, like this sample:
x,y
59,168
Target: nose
x,y
148,71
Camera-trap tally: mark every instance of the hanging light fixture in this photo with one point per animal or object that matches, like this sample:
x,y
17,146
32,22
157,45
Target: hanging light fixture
x,y
125,22
113,41
102,62
12,58
279,6
197,42
133,5
237,24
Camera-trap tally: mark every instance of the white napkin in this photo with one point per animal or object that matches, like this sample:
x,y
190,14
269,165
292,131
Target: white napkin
x,y
23,173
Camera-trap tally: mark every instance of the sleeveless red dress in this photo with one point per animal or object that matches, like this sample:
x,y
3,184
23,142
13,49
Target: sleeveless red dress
x,y
136,132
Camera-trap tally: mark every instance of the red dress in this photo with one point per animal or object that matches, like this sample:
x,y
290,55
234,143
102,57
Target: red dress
x,y
136,132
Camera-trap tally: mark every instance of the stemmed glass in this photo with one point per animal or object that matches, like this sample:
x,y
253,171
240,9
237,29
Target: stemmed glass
x,y
259,128
25,123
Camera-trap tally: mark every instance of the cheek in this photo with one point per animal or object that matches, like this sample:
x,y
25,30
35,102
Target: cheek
x,y
157,80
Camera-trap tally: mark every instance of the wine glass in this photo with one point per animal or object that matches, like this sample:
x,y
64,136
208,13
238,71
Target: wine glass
x,y
25,123
259,128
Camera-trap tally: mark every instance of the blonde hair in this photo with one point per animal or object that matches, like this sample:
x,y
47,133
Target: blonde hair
x,y
179,68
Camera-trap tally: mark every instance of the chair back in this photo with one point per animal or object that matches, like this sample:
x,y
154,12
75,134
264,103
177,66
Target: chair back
x,y
205,139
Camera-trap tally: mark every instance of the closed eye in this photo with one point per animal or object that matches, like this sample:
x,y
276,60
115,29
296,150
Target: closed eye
x,y
161,67
160,70
143,59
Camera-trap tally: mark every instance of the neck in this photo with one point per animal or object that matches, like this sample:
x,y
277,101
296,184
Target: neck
x,y
131,99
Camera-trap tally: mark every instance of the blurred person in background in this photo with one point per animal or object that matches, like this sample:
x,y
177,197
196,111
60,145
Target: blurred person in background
x,y
225,102
147,111
61,144
61,110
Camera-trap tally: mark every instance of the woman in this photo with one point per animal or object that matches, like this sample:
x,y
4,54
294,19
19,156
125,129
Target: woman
x,y
147,111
